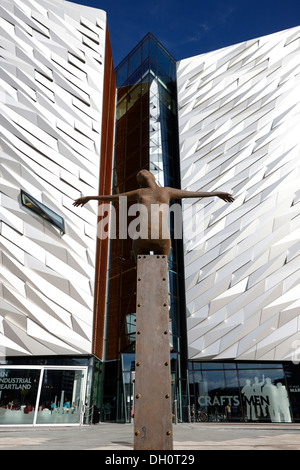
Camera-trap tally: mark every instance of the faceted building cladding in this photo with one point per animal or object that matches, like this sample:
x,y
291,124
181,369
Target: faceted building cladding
x,y
51,89
239,117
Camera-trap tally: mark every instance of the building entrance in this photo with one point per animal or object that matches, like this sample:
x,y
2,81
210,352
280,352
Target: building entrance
x,y
37,395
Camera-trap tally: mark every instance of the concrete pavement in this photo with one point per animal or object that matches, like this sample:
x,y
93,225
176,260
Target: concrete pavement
x,y
187,437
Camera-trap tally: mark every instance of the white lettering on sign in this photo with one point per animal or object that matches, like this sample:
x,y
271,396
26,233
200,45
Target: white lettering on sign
x,y
205,400
15,383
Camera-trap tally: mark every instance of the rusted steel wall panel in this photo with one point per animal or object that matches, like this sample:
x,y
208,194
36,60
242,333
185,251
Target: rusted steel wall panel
x,y
153,406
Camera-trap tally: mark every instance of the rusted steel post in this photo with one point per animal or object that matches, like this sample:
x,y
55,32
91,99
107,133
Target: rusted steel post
x,y
153,402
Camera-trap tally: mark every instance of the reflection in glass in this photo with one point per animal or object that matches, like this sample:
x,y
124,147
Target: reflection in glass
x,y
18,393
43,211
61,400
242,394
146,136
135,60
265,396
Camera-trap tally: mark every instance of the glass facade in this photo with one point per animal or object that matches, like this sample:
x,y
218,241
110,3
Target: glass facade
x,y
128,376
146,137
54,390
42,395
244,392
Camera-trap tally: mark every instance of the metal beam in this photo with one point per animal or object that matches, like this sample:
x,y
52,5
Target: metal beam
x,y
153,401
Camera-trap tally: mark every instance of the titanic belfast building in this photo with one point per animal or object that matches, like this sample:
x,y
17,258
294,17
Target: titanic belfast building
x,y
74,124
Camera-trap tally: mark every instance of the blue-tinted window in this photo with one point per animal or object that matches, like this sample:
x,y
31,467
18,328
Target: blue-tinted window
x,y
122,73
163,61
43,211
135,60
145,50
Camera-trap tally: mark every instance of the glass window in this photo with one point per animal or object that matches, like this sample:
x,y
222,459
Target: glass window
x,y
135,60
43,211
212,365
122,73
259,393
292,375
18,394
136,76
163,61
128,361
233,408
210,396
264,395
145,50
173,70
62,395
245,365
128,373
215,396
122,107
153,51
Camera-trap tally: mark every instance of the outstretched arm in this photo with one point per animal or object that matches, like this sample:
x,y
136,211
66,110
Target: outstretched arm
x,y
180,194
131,195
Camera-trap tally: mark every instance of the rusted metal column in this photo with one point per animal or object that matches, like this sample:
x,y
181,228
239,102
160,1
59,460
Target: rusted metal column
x,y
153,404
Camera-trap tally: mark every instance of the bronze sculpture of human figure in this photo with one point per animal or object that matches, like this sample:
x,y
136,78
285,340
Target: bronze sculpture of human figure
x,y
149,195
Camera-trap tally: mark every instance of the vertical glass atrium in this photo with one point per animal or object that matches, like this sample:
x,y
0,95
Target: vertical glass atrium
x,y
146,137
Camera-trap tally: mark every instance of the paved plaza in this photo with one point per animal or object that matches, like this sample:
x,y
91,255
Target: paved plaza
x,y
187,437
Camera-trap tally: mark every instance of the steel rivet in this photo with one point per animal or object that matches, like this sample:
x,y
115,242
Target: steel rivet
x,y
139,305
138,395
137,433
167,396
138,364
169,433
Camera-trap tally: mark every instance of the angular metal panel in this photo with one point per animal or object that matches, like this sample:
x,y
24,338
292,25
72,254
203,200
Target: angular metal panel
x,y
51,95
239,119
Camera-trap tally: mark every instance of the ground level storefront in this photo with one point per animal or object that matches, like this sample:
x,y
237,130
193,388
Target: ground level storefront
x,y
54,390
39,395
244,392
71,391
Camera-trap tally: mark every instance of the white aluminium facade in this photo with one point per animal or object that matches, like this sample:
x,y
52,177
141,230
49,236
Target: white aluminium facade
x,y
51,89
239,121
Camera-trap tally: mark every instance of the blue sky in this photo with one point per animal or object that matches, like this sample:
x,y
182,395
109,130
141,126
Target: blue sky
x,y
191,27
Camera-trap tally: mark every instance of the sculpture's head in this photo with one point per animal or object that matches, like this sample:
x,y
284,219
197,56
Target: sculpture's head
x,y
145,179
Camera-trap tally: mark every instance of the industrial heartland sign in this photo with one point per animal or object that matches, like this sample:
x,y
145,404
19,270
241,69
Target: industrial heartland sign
x,y
15,383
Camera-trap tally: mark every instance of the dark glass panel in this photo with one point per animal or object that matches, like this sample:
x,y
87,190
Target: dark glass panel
x,y
135,60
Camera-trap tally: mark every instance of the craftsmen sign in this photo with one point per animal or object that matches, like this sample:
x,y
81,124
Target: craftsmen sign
x,y
261,399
